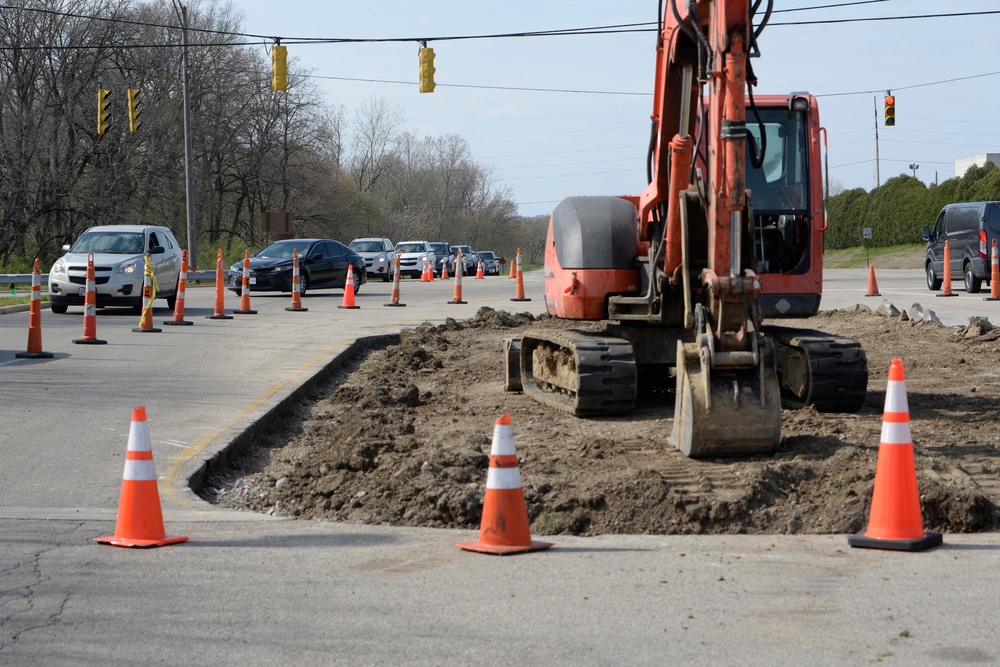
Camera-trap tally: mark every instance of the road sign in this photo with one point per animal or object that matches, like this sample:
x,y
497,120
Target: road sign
x,y
868,232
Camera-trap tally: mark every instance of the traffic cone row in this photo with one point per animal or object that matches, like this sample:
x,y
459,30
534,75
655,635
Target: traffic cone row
x,y
394,296
148,293
504,527
459,270
519,287
182,280
349,290
872,285
34,349
90,308
946,273
894,522
220,292
994,275
296,284
245,288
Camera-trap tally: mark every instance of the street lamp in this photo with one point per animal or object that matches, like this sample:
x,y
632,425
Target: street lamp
x,y
192,233
914,167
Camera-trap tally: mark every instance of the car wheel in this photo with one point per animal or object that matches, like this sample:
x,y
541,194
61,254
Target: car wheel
x,y
303,284
387,276
58,308
972,283
357,286
172,299
933,282
137,310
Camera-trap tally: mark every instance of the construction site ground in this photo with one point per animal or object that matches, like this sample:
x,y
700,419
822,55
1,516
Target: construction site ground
x,y
402,435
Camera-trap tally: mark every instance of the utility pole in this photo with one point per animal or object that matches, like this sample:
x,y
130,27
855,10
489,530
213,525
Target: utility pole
x,y
914,167
878,180
192,233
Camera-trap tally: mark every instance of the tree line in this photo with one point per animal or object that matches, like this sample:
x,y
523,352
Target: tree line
x,y
340,173
898,210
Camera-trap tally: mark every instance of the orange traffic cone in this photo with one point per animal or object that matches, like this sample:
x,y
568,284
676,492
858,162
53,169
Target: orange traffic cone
x,y
245,291
994,275
34,349
423,271
148,293
519,287
140,520
872,284
220,292
946,280
182,280
444,269
456,296
394,296
90,308
349,290
504,528
895,522
296,284
513,272
479,271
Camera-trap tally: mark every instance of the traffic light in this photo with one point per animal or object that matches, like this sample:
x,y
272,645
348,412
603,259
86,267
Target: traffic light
x,y
102,110
279,67
890,109
133,110
427,70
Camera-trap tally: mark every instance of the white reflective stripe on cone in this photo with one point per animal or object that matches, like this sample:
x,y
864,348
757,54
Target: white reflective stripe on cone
x,y
139,471
896,433
503,440
503,478
90,310
895,397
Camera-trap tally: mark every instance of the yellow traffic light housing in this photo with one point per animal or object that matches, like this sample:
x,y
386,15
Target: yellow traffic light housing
x,y
133,110
279,67
103,114
890,109
427,70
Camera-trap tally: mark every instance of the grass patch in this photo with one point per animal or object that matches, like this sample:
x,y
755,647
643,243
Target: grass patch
x,y
19,299
855,258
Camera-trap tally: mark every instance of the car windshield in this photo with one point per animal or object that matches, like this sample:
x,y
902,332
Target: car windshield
x,y
366,246
284,249
410,247
486,254
116,243
439,249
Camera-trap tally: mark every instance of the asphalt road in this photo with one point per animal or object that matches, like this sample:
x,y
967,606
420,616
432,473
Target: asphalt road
x,y
251,591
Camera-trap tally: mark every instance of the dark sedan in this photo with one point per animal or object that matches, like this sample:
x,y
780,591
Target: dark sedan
x,y
322,264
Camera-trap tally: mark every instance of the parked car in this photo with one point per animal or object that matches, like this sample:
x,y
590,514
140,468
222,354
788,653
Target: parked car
x,y
970,229
490,265
322,264
442,257
379,255
119,266
468,261
411,257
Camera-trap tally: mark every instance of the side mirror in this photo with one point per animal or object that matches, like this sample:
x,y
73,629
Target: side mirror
x,y
157,250
925,233
66,247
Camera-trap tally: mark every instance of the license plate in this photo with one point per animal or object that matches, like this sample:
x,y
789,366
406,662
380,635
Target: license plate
x,y
253,281
83,291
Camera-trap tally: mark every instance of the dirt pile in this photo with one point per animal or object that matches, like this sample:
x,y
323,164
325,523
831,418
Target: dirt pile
x,y
402,437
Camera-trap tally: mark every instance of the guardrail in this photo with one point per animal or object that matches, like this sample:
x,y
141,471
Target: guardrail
x,y
25,278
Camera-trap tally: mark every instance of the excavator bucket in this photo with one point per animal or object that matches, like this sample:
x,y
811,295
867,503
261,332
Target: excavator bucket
x,y
732,411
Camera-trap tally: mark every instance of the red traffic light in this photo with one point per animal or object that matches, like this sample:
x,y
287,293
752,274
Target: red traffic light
x,y
890,110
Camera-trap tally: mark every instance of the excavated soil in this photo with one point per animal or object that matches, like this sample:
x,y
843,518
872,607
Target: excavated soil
x,y
402,437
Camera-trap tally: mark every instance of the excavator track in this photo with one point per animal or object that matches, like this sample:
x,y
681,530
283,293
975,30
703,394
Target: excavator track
x,y
819,369
584,374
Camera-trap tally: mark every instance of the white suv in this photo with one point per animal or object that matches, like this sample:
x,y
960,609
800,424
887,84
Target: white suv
x,y
119,266
411,257
379,255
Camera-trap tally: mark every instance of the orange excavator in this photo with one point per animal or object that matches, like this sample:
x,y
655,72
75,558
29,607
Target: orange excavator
x,y
677,280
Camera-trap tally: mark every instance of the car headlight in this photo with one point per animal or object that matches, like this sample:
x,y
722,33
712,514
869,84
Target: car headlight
x,y
128,268
59,266
381,259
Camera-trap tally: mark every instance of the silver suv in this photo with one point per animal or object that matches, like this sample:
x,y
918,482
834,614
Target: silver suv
x,y
119,266
379,255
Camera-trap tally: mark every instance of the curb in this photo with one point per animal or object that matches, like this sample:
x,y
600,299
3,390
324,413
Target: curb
x,y
20,308
230,445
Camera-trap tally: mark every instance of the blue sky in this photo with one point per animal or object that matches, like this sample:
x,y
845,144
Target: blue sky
x,y
548,145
